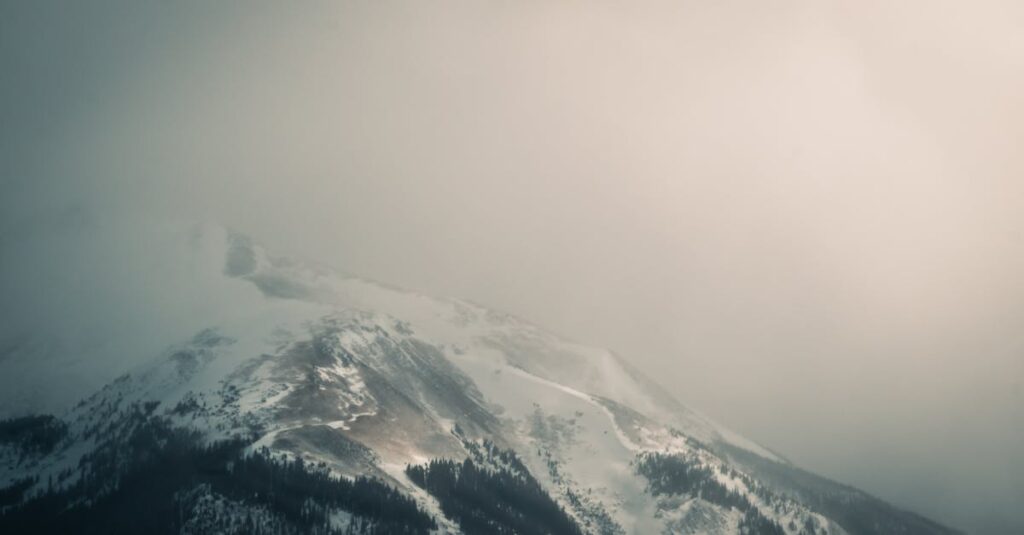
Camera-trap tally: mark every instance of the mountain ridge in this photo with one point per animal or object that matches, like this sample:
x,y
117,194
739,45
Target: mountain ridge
x,y
366,381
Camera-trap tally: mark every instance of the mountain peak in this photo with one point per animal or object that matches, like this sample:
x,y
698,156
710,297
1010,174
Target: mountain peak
x,y
310,374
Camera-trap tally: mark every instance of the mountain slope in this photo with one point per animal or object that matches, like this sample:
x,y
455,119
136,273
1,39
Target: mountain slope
x,y
445,410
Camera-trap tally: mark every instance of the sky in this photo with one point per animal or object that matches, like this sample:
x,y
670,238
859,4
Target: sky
x,y
802,218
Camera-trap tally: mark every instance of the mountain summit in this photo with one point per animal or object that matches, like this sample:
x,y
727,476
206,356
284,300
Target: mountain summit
x,y
326,403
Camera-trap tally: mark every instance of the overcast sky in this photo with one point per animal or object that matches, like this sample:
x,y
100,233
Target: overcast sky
x,y
804,219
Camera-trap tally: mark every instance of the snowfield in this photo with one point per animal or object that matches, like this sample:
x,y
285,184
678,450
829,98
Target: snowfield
x,y
367,379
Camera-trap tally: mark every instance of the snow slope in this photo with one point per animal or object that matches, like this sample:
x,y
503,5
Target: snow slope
x,y
367,379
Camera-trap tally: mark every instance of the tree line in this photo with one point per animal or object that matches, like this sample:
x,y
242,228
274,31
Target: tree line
x,y
142,484
674,475
502,500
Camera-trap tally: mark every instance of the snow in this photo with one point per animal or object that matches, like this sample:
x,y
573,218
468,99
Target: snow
x,y
532,375
599,457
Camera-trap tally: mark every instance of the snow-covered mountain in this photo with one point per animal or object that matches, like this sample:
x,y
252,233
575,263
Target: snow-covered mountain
x,y
327,403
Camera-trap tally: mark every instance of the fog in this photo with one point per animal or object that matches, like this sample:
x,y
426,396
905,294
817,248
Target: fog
x,y
803,219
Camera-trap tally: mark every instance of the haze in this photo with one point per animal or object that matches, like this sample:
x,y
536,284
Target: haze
x,y
803,218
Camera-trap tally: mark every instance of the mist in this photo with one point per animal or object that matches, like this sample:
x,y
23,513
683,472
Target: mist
x,y
802,219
